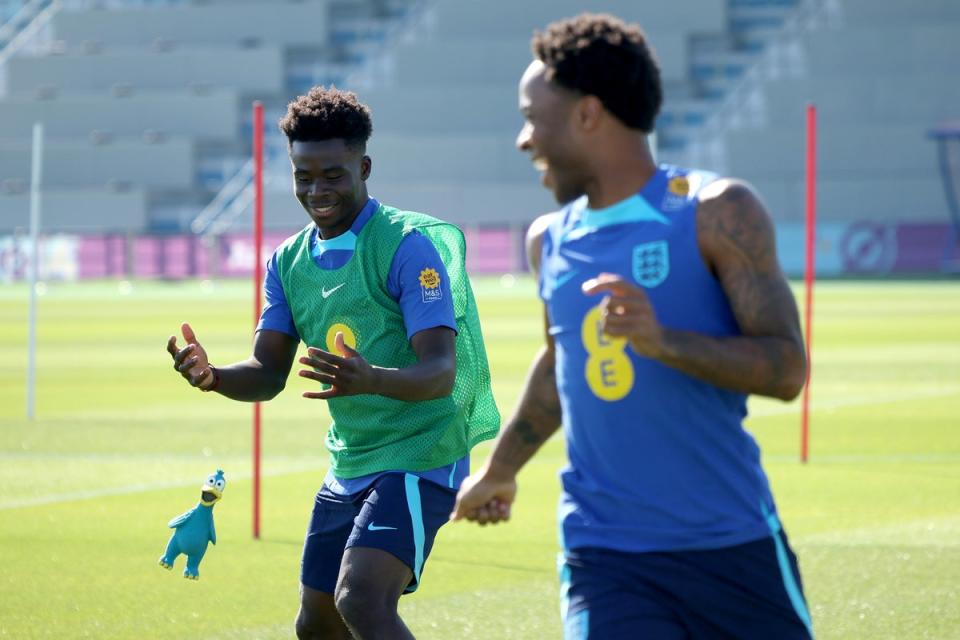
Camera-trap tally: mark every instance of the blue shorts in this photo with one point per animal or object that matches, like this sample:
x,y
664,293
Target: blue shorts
x,y
747,591
399,513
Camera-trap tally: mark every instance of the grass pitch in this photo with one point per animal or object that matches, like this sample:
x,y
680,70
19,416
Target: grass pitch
x,y
121,444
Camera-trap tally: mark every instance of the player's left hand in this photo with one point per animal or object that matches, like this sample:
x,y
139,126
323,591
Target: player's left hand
x,y
347,375
627,313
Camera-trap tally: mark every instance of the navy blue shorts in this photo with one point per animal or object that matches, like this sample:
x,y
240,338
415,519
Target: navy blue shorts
x,y
747,591
399,513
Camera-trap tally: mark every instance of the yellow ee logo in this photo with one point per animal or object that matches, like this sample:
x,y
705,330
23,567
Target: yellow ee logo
x,y
348,337
608,371
679,186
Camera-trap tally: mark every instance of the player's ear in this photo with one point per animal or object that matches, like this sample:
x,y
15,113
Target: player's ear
x,y
366,164
589,111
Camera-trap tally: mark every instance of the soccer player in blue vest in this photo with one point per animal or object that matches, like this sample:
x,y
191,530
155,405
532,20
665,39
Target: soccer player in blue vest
x,y
665,306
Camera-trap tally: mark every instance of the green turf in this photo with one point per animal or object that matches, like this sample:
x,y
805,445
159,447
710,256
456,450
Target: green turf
x,y
120,445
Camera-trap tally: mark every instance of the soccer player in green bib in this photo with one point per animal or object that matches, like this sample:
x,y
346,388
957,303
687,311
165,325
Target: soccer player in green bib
x,y
382,300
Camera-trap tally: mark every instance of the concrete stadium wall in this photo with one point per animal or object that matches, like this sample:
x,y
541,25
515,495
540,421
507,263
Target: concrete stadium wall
x,y
206,115
521,18
445,124
918,98
882,74
444,129
446,118
497,59
885,13
280,23
148,99
446,61
908,199
465,32
881,49
77,210
443,110
80,163
467,157
251,70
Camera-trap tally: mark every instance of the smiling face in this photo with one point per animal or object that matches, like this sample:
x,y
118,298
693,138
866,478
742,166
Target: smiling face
x,y
329,179
550,135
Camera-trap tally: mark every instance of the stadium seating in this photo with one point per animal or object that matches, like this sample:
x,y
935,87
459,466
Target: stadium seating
x,y
281,23
452,101
117,77
881,73
104,161
147,97
154,98
121,68
205,114
86,210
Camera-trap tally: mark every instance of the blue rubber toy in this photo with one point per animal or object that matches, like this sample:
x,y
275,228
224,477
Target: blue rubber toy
x,y
194,529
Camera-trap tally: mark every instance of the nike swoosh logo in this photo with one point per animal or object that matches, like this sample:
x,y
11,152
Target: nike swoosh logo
x,y
565,278
373,527
326,294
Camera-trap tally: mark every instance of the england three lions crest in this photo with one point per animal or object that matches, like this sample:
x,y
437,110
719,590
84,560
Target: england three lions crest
x,y
651,263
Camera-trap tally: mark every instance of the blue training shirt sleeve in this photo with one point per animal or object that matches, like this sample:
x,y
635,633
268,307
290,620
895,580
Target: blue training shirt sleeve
x,y
418,281
276,315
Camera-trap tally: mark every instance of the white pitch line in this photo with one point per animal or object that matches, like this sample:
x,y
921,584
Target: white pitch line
x,y
927,532
853,401
154,458
56,498
759,412
877,458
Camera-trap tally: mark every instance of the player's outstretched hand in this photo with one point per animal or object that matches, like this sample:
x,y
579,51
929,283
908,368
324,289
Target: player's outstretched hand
x,y
484,500
627,313
348,374
191,361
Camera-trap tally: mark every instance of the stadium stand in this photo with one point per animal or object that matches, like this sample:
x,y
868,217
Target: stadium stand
x,y
124,70
154,96
148,101
880,72
451,101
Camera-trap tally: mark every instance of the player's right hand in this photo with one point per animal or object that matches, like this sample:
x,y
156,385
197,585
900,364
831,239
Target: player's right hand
x,y
191,361
484,500
627,312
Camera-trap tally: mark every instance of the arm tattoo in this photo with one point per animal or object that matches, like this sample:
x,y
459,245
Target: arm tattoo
x,y
527,432
537,417
736,239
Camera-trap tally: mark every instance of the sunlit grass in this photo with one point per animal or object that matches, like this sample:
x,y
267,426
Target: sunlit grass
x,y
120,445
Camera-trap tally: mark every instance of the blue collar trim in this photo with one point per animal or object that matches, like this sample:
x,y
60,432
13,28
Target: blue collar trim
x,y
346,241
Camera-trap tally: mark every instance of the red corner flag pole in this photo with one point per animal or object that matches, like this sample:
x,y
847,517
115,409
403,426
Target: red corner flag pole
x,y
811,275
257,288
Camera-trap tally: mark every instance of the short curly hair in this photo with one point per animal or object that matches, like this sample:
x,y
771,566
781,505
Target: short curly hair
x,y
600,55
326,114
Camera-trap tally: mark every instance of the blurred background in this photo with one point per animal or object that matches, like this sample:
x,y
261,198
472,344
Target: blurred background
x,y
146,106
